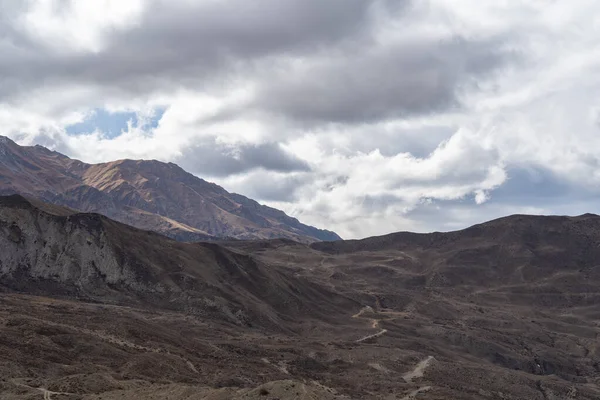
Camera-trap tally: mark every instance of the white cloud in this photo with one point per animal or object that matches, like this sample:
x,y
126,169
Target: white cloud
x,y
389,115
481,196
77,25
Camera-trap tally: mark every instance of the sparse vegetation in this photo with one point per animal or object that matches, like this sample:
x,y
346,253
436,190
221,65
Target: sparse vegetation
x,y
134,315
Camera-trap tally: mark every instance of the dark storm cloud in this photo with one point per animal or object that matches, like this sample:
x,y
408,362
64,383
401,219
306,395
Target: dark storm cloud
x,y
213,159
269,186
349,77
386,82
179,43
246,29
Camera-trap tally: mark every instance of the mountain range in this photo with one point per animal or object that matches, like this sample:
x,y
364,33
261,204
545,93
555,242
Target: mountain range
x,y
91,308
147,194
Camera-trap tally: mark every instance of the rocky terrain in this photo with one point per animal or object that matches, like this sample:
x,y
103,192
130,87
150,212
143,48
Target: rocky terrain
x,y
147,194
94,309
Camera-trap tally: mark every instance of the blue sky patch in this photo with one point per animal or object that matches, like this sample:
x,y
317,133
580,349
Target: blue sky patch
x,y
112,124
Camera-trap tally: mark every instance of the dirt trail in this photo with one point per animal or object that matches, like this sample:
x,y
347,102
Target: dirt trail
x,y
376,321
418,371
48,393
380,333
280,366
45,392
362,311
119,341
379,368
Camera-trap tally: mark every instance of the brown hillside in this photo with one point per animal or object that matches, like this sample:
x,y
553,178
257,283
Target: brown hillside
x,y
146,194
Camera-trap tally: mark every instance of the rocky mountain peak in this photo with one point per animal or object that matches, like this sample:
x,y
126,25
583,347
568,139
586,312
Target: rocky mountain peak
x,y
5,145
147,194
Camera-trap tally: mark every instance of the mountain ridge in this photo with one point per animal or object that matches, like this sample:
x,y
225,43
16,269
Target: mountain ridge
x,y
514,222
51,250
148,194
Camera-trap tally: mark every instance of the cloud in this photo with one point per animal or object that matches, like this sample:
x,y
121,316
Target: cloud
x,y
368,188
218,160
360,116
376,82
148,47
270,186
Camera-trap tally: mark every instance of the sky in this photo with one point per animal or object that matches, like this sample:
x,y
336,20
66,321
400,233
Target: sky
x,y
363,117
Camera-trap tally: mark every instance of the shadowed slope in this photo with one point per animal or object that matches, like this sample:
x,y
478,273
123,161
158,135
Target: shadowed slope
x,y
91,257
502,310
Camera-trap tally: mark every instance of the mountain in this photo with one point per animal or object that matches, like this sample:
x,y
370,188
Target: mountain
x,y
91,308
150,195
94,280
50,250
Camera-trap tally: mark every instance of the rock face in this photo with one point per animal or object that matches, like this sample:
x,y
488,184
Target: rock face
x,y
50,250
149,195
39,247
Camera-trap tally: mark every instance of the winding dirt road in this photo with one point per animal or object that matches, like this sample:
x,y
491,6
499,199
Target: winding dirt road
x,y
418,371
374,324
391,315
373,336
